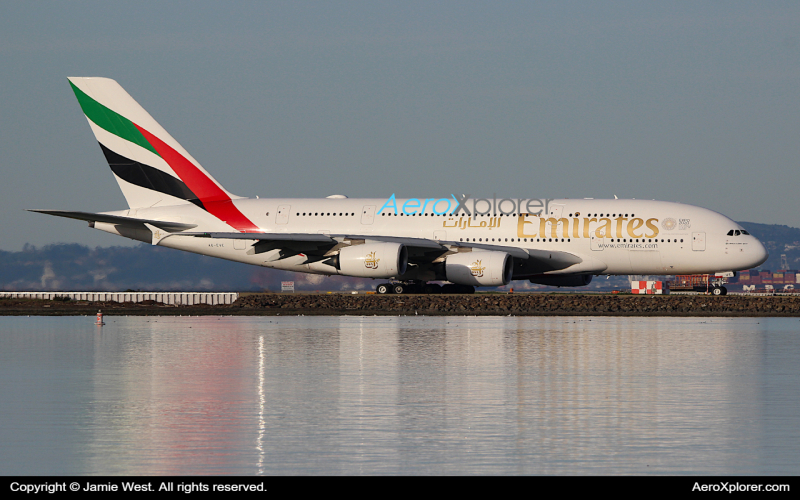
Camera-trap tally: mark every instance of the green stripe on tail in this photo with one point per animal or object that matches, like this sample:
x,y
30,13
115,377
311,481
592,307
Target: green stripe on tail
x,y
110,120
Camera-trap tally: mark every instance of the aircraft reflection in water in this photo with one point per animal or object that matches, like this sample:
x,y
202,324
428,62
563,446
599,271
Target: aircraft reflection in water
x,y
402,395
174,202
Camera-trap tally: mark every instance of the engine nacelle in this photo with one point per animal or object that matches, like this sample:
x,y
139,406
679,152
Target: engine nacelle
x,y
373,260
479,268
562,279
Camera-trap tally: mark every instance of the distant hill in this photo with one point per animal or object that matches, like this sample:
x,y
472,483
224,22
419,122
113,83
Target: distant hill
x,y
778,240
147,268
76,267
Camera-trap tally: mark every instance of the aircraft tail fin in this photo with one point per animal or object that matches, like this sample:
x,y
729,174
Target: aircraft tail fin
x,y
151,168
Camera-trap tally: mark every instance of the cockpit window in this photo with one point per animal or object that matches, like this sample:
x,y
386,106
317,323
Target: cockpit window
x,y
730,233
737,233
745,232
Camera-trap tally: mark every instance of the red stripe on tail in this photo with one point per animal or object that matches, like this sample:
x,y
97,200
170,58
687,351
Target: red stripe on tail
x,y
210,194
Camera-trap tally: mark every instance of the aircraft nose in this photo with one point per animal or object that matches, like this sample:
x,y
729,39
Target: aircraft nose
x,y
759,254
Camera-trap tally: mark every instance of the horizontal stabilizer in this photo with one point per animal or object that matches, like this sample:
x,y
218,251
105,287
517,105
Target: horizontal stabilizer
x,y
116,219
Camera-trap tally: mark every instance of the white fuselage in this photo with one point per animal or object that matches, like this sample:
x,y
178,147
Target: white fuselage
x,y
610,236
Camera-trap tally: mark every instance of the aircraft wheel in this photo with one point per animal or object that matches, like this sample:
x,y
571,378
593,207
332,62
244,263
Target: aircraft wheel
x,y
383,288
724,290
717,290
398,288
450,288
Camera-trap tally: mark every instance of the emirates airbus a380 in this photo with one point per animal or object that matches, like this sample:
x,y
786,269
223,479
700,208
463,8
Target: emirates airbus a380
x,y
405,243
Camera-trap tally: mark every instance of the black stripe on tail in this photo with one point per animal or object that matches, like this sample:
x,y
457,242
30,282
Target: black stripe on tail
x,y
149,177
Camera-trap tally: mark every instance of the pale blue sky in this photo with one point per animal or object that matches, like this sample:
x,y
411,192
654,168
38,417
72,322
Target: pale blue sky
x,y
696,102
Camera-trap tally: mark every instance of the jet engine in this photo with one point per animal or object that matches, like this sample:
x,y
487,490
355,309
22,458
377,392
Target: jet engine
x,y
562,279
479,268
372,260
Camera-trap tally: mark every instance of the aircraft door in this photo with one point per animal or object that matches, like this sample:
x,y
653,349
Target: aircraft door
x,y
698,242
283,214
596,243
555,213
368,214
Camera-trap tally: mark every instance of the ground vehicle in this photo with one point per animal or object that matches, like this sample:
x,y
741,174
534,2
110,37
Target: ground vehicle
x,y
708,283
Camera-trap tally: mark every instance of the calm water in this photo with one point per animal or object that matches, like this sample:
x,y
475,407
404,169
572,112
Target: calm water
x,y
399,395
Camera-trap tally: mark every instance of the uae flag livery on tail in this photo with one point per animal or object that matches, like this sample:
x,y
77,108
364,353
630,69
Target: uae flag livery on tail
x,y
152,169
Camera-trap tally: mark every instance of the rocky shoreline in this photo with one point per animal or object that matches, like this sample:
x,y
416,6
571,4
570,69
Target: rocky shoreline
x,y
522,304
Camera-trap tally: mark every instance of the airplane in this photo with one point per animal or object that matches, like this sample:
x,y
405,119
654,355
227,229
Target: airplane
x,y
407,243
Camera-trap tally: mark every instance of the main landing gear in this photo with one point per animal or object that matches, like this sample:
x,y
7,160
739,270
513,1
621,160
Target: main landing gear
x,y
400,287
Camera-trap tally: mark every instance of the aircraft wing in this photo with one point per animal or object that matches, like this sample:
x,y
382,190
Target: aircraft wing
x,y
117,219
288,237
322,238
529,261
316,245
416,243
516,252
421,250
313,246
